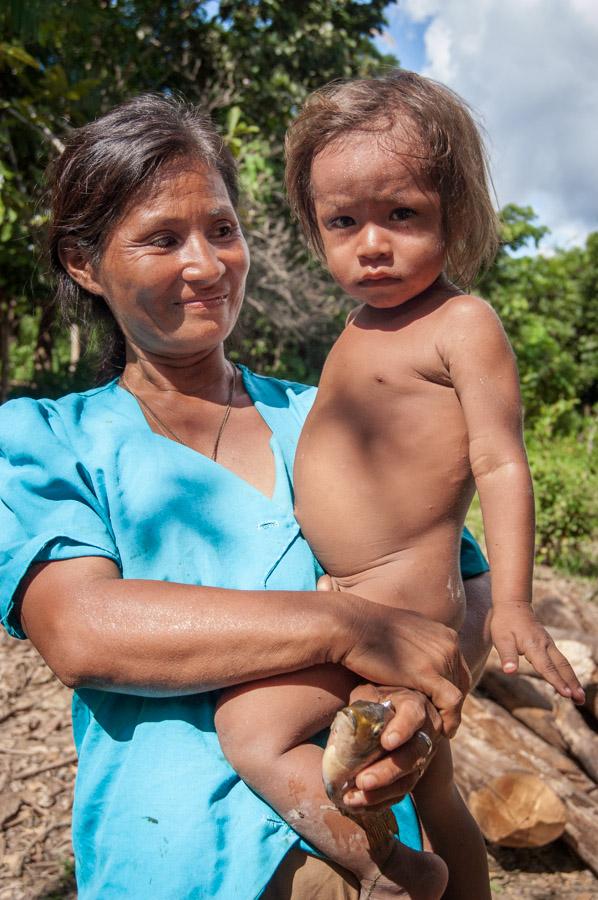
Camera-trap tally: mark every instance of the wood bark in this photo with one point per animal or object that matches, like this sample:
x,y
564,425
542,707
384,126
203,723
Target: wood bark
x,y
567,612
550,716
6,330
582,652
496,755
518,696
44,345
75,346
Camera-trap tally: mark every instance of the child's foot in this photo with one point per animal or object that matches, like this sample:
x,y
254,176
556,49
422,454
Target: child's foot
x,y
407,874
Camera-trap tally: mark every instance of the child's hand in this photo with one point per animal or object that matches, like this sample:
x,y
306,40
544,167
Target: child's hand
x,y
516,631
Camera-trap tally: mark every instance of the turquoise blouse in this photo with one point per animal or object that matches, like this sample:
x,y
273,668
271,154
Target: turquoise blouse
x,y
158,812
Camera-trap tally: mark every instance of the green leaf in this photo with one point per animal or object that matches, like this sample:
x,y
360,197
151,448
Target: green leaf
x,y
16,53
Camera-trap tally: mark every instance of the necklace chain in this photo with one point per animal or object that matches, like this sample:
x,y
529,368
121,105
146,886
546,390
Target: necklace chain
x,y
167,430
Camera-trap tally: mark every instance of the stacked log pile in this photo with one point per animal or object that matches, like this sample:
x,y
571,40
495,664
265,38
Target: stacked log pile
x,y
526,760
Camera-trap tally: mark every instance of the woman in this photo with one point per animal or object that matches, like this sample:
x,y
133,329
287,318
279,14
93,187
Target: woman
x,y
150,548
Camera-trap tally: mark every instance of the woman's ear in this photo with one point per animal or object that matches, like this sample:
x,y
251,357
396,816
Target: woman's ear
x,y
79,266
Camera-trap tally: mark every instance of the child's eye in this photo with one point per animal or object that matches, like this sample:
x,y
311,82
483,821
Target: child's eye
x,y
342,222
402,213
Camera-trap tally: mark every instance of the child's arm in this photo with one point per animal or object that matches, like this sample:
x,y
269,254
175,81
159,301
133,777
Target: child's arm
x,y
483,371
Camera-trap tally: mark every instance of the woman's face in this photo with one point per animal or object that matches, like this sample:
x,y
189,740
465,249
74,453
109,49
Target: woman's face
x,y
173,270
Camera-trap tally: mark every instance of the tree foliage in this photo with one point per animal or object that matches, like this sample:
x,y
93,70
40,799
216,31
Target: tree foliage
x,y
251,63
548,307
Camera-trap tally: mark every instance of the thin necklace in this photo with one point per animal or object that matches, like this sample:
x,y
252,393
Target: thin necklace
x,y
165,428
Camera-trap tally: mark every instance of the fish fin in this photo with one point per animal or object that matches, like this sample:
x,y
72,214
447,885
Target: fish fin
x,y
381,828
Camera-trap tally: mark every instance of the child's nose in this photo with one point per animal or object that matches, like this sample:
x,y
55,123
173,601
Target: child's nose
x,y
374,242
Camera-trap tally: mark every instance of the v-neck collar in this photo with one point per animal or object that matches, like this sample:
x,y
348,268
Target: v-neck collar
x,y
282,477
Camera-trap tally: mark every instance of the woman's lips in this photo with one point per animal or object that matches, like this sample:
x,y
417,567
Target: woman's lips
x,y
204,302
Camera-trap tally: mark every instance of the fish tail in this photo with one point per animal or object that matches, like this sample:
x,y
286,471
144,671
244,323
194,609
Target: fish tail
x,y
380,828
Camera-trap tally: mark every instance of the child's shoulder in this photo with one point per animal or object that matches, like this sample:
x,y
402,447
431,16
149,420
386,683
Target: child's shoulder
x,y
468,311
467,305
471,330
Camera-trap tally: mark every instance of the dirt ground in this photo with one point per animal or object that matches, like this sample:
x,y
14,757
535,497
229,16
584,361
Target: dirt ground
x,y
38,764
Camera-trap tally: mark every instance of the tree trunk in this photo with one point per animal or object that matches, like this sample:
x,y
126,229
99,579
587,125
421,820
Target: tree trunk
x,y
75,340
6,328
517,695
42,355
551,717
496,755
566,612
582,652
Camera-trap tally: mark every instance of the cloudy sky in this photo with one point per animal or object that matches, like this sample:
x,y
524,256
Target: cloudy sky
x,y
530,70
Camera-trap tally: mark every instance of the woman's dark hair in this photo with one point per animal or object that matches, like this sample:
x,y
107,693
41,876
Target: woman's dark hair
x,y
104,167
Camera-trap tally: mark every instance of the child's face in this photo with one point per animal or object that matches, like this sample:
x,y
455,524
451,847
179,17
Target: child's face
x,y
381,227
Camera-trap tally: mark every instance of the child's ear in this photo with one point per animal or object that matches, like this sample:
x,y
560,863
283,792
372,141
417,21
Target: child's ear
x,y
79,266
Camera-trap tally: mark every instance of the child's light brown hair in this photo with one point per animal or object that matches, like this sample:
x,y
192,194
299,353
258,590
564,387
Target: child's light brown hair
x,y
446,144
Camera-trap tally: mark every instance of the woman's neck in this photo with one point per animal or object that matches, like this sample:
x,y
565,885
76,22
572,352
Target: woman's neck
x,y
202,375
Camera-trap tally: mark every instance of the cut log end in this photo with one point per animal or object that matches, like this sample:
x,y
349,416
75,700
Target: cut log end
x,y
518,809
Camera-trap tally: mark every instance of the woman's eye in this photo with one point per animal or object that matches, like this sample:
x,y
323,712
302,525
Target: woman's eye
x,y
225,230
162,241
342,222
402,213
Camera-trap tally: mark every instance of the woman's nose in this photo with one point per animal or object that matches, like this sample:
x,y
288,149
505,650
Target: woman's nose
x,y
201,262
374,242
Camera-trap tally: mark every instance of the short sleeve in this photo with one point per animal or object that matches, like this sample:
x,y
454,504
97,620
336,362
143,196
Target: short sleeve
x,y
48,508
473,561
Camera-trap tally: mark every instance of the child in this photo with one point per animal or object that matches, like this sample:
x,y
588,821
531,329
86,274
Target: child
x,y
418,406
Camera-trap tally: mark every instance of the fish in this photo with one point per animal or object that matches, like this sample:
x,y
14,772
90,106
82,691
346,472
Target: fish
x,y
353,744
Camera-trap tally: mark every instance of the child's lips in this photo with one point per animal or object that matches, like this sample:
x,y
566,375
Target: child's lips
x,y
379,280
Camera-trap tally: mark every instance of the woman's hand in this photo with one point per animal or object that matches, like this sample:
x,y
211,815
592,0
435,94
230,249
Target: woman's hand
x,y
395,646
395,775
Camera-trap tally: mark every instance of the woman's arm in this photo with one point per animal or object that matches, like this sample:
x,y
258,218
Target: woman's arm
x,y
96,629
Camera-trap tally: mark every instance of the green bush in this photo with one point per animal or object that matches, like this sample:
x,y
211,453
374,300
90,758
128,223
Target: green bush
x,y
565,473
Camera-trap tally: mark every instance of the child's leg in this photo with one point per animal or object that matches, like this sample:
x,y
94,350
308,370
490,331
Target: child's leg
x,y
452,830
261,728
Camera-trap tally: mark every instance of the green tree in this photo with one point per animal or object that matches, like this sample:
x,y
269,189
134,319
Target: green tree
x,y
547,305
249,63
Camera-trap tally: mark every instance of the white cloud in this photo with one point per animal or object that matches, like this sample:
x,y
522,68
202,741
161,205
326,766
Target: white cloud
x,y
419,10
438,41
529,67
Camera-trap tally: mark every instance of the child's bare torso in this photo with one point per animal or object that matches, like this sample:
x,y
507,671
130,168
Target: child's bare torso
x,y
382,472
